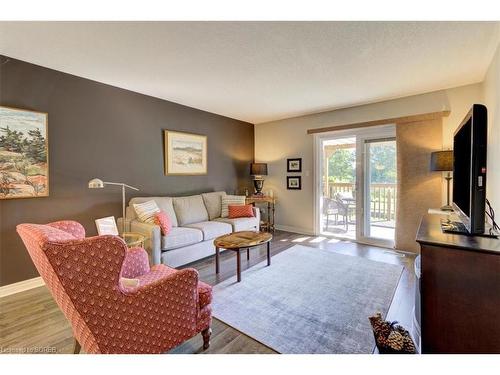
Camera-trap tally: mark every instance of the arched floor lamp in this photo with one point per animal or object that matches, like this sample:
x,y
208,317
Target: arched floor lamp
x,y
97,183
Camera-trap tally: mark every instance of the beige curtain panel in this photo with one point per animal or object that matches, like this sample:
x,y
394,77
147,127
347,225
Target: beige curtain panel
x,y
418,188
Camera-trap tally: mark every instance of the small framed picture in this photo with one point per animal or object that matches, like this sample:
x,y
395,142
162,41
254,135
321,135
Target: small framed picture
x,y
106,225
294,165
294,182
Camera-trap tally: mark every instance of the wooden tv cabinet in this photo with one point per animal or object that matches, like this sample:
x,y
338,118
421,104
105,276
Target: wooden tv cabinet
x,y
460,291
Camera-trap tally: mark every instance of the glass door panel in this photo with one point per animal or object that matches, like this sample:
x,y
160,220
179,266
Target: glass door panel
x,y
380,193
338,187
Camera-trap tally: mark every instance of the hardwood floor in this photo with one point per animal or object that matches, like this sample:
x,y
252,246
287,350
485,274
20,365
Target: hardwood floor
x,y
32,321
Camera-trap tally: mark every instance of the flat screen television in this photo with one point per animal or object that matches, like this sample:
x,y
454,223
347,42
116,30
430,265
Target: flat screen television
x,y
469,169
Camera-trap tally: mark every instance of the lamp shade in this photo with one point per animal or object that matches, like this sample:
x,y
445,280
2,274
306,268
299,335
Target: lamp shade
x,y
258,169
442,161
96,183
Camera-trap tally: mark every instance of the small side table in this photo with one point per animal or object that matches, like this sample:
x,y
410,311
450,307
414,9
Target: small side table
x,y
133,239
267,225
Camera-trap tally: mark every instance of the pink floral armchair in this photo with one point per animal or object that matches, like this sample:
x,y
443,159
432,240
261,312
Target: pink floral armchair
x,y
83,274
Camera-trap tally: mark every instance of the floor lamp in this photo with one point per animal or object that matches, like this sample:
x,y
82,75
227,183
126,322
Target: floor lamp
x,y
96,183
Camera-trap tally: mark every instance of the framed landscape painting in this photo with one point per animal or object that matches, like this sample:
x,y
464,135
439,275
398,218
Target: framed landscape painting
x,y
185,153
24,154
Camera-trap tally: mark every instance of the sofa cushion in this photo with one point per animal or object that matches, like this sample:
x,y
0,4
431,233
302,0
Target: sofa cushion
x,y
190,209
212,229
180,237
241,223
164,203
213,203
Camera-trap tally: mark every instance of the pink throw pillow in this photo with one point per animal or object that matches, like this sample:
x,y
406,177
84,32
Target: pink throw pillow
x,y
240,210
162,219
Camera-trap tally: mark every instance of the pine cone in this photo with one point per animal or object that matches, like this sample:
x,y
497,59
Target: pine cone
x,y
395,341
380,327
409,346
391,337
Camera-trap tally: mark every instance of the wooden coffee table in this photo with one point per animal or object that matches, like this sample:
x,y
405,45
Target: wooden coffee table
x,y
241,240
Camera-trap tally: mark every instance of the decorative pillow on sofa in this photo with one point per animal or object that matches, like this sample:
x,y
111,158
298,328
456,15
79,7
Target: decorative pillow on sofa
x,y
240,210
231,199
146,211
162,219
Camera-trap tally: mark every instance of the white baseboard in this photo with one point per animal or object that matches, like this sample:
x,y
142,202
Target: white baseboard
x,y
292,229
21,286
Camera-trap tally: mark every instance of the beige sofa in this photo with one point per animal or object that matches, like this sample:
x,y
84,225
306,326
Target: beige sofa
x,y
196,222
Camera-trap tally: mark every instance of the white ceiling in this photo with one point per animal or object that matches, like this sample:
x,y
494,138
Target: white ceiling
x,y
261,71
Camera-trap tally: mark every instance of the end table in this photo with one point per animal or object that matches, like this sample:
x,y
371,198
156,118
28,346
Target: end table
x,y
267,225
133,239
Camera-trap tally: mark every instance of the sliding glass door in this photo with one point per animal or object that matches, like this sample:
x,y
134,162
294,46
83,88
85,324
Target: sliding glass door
x,y
380,189
338,193
356,185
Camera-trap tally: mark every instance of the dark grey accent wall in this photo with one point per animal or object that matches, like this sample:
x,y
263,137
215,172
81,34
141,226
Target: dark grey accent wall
x,y
96,130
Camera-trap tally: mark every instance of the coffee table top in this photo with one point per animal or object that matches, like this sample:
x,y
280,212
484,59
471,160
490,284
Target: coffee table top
x,y
239,240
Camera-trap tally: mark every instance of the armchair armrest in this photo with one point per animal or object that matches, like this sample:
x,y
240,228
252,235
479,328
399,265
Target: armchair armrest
x,y
162,276
168,297
153,238
170,290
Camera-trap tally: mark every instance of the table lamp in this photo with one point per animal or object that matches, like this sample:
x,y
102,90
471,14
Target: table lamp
x,y
257,170
442,161
97,183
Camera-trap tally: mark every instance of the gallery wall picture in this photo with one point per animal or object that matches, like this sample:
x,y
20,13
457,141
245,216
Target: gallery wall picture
x,y
24,154
293,182
185,153
294,165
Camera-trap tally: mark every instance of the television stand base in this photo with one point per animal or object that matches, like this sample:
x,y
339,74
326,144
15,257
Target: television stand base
x,y
456,227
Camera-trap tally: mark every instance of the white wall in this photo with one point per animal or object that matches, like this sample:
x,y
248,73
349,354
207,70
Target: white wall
x,y
276,141
491,94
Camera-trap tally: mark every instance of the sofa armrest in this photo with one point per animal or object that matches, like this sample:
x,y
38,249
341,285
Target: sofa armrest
x,y
256,212
153,238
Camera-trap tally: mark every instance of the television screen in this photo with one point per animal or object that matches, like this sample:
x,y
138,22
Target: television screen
x,y
469,169
462,142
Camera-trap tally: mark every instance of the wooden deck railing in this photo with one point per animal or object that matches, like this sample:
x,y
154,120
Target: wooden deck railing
x,y
382,198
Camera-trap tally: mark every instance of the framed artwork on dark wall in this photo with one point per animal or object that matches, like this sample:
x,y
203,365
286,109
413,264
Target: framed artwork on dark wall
x,y
185,153
294,165
24,154
294,182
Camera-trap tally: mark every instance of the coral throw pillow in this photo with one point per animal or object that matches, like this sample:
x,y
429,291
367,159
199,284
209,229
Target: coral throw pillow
x,y
162,219
240,210
230,199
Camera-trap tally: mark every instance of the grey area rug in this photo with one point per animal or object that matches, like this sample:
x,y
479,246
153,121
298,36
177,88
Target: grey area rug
x,y
309,301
